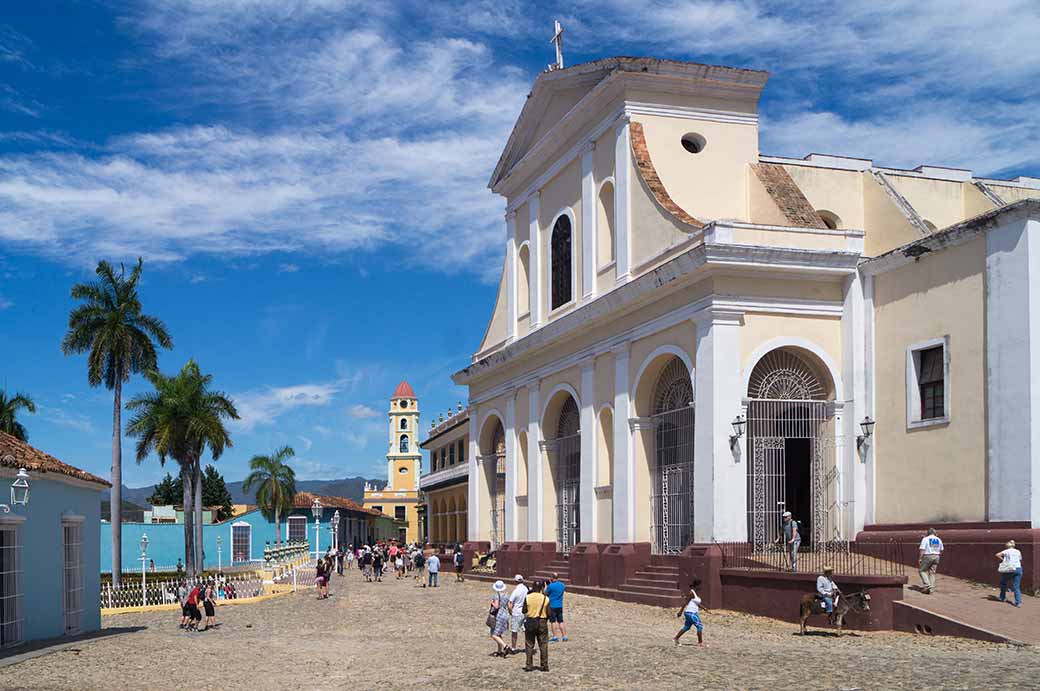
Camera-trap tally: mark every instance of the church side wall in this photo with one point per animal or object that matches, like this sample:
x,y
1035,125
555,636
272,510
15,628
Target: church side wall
x,y
939,201
884,224
829,189
935,473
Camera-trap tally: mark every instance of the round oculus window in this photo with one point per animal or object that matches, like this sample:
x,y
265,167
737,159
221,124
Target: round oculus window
x,y
693,142
404,404
402,470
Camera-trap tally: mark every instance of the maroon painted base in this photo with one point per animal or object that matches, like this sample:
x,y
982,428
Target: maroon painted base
x,y
584,563
702,562
619,562
970,548
779,595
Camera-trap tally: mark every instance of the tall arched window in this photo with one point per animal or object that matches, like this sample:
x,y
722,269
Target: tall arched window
x,y
404,423
605,226
560,245
404,443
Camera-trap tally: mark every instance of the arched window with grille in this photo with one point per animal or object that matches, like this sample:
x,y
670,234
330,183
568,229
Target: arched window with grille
x,y
560,250
404,443
404,423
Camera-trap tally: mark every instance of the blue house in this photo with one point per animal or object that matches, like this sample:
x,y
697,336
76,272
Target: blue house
x,y
49,557
240,540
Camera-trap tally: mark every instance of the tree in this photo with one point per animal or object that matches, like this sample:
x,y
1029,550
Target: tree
x,y
215,493
9,408
167,492
181,419
275,484
120,340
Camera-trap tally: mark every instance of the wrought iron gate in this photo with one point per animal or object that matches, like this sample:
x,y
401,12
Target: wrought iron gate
x,y
671,499
568,478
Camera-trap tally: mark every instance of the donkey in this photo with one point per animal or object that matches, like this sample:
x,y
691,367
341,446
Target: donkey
x,y
856,602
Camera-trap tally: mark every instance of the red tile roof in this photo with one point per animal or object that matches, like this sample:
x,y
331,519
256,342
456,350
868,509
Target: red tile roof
x,y
15,453
403,390
304,500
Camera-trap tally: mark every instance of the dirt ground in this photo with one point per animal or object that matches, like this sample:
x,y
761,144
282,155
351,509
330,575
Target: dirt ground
x,y
395,635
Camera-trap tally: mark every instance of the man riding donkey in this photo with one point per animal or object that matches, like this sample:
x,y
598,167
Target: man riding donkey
x,y
828,599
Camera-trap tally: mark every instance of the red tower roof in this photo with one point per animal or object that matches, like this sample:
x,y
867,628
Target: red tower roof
x,y
403,390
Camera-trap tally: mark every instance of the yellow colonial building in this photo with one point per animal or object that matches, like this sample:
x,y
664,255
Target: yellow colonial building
x,y
400,496
446,484
691,336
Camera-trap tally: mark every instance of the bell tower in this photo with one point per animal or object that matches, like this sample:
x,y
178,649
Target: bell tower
x,y
404,457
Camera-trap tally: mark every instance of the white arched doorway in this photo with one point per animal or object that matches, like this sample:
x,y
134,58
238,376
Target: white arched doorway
x,y
671,468
792,447
565,470
493,458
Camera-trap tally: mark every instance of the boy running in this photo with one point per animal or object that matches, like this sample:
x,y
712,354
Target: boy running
x,y
691,613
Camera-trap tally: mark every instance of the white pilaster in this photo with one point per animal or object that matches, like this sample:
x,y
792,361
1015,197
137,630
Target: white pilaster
x,y
623,199
511,296
719,473
1013,370
474,510
587,491
869,457
535,466
511,470
853,377
624,471
588,227
534,207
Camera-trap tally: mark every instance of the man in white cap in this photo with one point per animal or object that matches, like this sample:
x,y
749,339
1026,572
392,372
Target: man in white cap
x,y
516,610
792,540
928,557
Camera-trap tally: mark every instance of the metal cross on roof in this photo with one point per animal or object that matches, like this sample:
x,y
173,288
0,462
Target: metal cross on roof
x,y
557,39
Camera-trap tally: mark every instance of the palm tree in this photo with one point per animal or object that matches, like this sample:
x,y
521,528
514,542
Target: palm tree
x,y
121,341
9,408
180,420
275,484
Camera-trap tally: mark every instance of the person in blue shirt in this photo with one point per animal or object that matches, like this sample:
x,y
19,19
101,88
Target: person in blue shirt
x,y
554,591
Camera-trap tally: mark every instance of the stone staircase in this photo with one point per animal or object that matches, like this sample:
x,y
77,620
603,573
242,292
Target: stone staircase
x,y
655,584
560,565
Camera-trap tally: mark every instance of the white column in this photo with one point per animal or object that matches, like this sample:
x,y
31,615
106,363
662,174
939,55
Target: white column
x,y
588,226
720,472
587,490
473,509
534,207
869,457
511,470
853,377
511,296
624,472
535,464
623,199
1013,369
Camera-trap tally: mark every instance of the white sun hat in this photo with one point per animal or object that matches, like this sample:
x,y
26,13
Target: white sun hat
x,y
499,586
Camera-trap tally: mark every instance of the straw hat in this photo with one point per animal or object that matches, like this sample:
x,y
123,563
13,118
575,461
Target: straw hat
x,y
499,586
828,569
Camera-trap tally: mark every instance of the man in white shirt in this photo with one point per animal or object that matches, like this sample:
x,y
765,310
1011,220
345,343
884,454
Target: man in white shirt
x,y
928,563
516,609
827,589
433,567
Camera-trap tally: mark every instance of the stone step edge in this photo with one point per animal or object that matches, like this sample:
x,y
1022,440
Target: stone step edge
x,y
962,629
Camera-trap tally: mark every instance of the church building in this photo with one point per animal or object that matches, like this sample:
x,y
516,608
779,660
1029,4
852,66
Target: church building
x,y
691,336
400,496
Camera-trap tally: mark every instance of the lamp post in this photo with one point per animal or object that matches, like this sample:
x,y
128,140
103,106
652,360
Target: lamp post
x,y
335,530
739,424
19,488
316,511
144,557
868,431
219,562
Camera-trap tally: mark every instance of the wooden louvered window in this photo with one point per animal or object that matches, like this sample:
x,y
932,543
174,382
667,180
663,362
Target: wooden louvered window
x,y
560,244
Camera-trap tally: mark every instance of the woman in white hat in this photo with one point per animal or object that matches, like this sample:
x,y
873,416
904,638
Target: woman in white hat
x,y
498,618
1010,572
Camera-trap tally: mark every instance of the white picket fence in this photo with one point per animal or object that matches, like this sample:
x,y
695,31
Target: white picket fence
x,y
131,592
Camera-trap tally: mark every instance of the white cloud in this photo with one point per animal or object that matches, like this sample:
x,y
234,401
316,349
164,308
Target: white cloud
x,y
265,406
59,416
306,442
362,412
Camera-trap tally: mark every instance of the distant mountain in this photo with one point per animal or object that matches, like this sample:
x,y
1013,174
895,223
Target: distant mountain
x,y
348,487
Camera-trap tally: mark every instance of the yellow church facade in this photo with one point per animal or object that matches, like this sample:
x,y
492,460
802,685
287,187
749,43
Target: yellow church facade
x,y
691,337
399,497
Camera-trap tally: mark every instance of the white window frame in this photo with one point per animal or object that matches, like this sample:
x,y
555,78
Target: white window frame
x,y
231,540
72,568
15,618
913,388
300,519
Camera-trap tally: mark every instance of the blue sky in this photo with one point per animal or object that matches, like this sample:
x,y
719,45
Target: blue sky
x,y
306,179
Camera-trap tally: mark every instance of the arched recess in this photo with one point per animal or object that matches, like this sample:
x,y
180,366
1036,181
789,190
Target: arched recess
x,y
403,446
523,280
493,461
649,371
452,522
810,350
605,473
791,440
605,224
562,256
562,479
522,492
462,534
829,218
